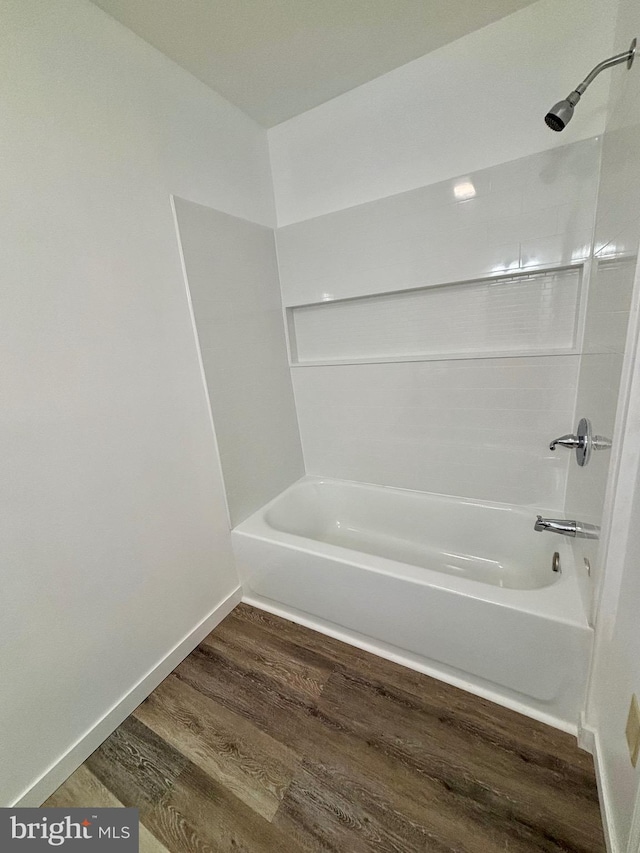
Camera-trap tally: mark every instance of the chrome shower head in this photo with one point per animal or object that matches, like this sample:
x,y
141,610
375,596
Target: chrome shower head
x,y
561,113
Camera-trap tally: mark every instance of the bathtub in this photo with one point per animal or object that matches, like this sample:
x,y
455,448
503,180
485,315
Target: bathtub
x,y
460,589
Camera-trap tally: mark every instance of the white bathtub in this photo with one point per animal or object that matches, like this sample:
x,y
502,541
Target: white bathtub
x,y
460,589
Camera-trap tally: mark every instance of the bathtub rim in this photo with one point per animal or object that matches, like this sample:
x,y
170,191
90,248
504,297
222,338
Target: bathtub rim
x,y
561,600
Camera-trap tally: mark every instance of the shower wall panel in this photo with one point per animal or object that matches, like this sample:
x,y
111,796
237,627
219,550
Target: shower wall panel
x,y
232,275
475,426
521,215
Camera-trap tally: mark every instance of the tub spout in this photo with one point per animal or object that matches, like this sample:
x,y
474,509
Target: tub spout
x,y
556,525
578,529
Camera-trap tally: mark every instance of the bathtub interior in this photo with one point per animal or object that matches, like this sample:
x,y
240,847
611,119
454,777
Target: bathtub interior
x,y
490,543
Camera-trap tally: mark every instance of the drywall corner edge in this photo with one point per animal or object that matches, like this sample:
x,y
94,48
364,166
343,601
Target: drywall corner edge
x,y
60,770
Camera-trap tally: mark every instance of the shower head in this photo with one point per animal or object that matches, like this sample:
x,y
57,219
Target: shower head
x,y
561,113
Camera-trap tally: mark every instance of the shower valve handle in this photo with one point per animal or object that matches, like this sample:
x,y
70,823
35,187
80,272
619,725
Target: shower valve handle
x,y
570,441
584,442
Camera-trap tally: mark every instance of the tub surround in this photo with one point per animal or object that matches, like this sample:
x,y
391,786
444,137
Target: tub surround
x,y
476,425
478,428
523,214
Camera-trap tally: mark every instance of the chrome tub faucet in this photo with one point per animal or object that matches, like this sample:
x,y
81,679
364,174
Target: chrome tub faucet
x,y
577,529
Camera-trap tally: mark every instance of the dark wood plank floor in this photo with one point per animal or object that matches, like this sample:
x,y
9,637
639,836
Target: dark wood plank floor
x,y
271,737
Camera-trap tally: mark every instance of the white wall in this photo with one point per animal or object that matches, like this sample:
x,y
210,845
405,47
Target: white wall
x,y
616,667
474,103
479,426
115,535
233,280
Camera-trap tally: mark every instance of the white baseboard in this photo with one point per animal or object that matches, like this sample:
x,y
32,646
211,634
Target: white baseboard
x,y
61,769
586,736
415,662
634,832
604,796
589,741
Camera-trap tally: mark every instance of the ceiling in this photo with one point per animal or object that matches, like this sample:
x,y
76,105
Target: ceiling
x,y
277,58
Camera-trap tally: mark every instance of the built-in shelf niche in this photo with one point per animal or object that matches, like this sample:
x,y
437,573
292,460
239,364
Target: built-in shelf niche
x,y
523,314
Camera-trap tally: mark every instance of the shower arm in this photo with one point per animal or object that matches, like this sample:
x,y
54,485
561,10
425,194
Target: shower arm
x,y
627,56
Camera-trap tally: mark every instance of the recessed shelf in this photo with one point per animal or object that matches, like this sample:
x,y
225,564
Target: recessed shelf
x,y
518,315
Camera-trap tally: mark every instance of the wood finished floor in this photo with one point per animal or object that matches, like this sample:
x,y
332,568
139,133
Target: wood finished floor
x,y
271,737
